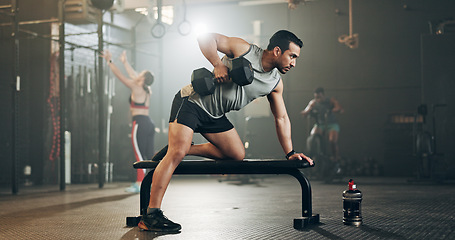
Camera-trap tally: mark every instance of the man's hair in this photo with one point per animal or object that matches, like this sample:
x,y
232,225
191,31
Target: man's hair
x,y
148,78
282,39
319,90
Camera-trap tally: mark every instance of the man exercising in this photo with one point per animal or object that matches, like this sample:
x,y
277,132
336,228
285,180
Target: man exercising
x,y
322,109
192,112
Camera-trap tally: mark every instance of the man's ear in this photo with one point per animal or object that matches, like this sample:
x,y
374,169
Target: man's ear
x,y
277,51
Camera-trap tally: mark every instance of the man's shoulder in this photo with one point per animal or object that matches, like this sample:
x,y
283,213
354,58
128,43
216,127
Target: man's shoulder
x,y
252,49
312,102
255,48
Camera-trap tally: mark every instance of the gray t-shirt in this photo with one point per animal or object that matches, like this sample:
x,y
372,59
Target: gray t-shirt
x,y
230,96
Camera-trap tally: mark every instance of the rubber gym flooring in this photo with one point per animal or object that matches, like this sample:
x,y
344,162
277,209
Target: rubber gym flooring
x,y
216,207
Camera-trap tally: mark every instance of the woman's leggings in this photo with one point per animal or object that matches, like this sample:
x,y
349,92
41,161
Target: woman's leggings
x,y
142,137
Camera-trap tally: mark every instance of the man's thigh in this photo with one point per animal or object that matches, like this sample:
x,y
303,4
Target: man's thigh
x,y
228,142
180,137
316,130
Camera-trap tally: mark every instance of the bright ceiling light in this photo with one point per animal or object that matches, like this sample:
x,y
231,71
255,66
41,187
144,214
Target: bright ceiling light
x,y
200,29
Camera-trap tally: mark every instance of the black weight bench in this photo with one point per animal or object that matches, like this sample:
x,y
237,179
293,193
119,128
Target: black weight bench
x,y
247,166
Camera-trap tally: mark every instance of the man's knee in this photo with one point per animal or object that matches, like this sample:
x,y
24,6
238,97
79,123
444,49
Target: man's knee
x,y
333,140
233,153
333,136
238,154
238,157
176,155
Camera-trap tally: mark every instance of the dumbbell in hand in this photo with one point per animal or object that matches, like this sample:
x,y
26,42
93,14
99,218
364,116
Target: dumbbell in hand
x,y
204,82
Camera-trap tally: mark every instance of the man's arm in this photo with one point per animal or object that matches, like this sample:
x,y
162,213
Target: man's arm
x,y
211,43
308,108
282,123
130,70
336,106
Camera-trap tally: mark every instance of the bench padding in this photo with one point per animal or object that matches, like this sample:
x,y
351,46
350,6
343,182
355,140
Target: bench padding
x,y
247,166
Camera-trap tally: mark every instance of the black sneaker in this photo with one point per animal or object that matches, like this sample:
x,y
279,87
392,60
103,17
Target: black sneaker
x,y
160,155
157,222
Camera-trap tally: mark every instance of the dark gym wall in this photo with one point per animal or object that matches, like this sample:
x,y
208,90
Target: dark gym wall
x,y
379,78
36,122
34,72
438,81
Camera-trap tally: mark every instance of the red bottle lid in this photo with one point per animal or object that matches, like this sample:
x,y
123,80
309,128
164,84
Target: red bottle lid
x,y
351,185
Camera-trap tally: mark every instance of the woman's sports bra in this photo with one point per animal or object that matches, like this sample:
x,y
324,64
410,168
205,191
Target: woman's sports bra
x,y
134,104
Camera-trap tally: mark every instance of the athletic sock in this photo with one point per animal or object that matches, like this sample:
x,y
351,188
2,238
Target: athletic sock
x,y
152,210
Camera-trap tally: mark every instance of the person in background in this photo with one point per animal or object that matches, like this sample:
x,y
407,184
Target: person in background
x,y
322,109
143,128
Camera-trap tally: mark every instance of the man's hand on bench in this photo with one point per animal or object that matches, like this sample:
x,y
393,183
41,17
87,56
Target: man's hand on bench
x,y
301,156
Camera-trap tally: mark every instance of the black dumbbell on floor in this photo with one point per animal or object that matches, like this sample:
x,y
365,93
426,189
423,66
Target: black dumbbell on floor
x,y
204,82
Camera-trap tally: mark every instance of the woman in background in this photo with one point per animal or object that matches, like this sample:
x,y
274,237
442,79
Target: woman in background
x,y
143,129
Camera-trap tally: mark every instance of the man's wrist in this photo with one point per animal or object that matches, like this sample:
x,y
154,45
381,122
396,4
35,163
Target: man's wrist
x,y
292,152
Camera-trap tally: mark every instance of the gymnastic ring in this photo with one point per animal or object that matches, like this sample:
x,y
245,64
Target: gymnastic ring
x,y
158,30
184,28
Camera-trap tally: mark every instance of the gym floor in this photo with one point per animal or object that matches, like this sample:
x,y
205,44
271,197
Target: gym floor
x,y
217,207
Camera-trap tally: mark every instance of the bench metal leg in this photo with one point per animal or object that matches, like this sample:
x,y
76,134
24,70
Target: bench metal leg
x,y
144,199
145,190
307,213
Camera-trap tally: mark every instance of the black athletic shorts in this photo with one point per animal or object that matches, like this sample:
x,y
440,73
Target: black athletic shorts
x,y
194,117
